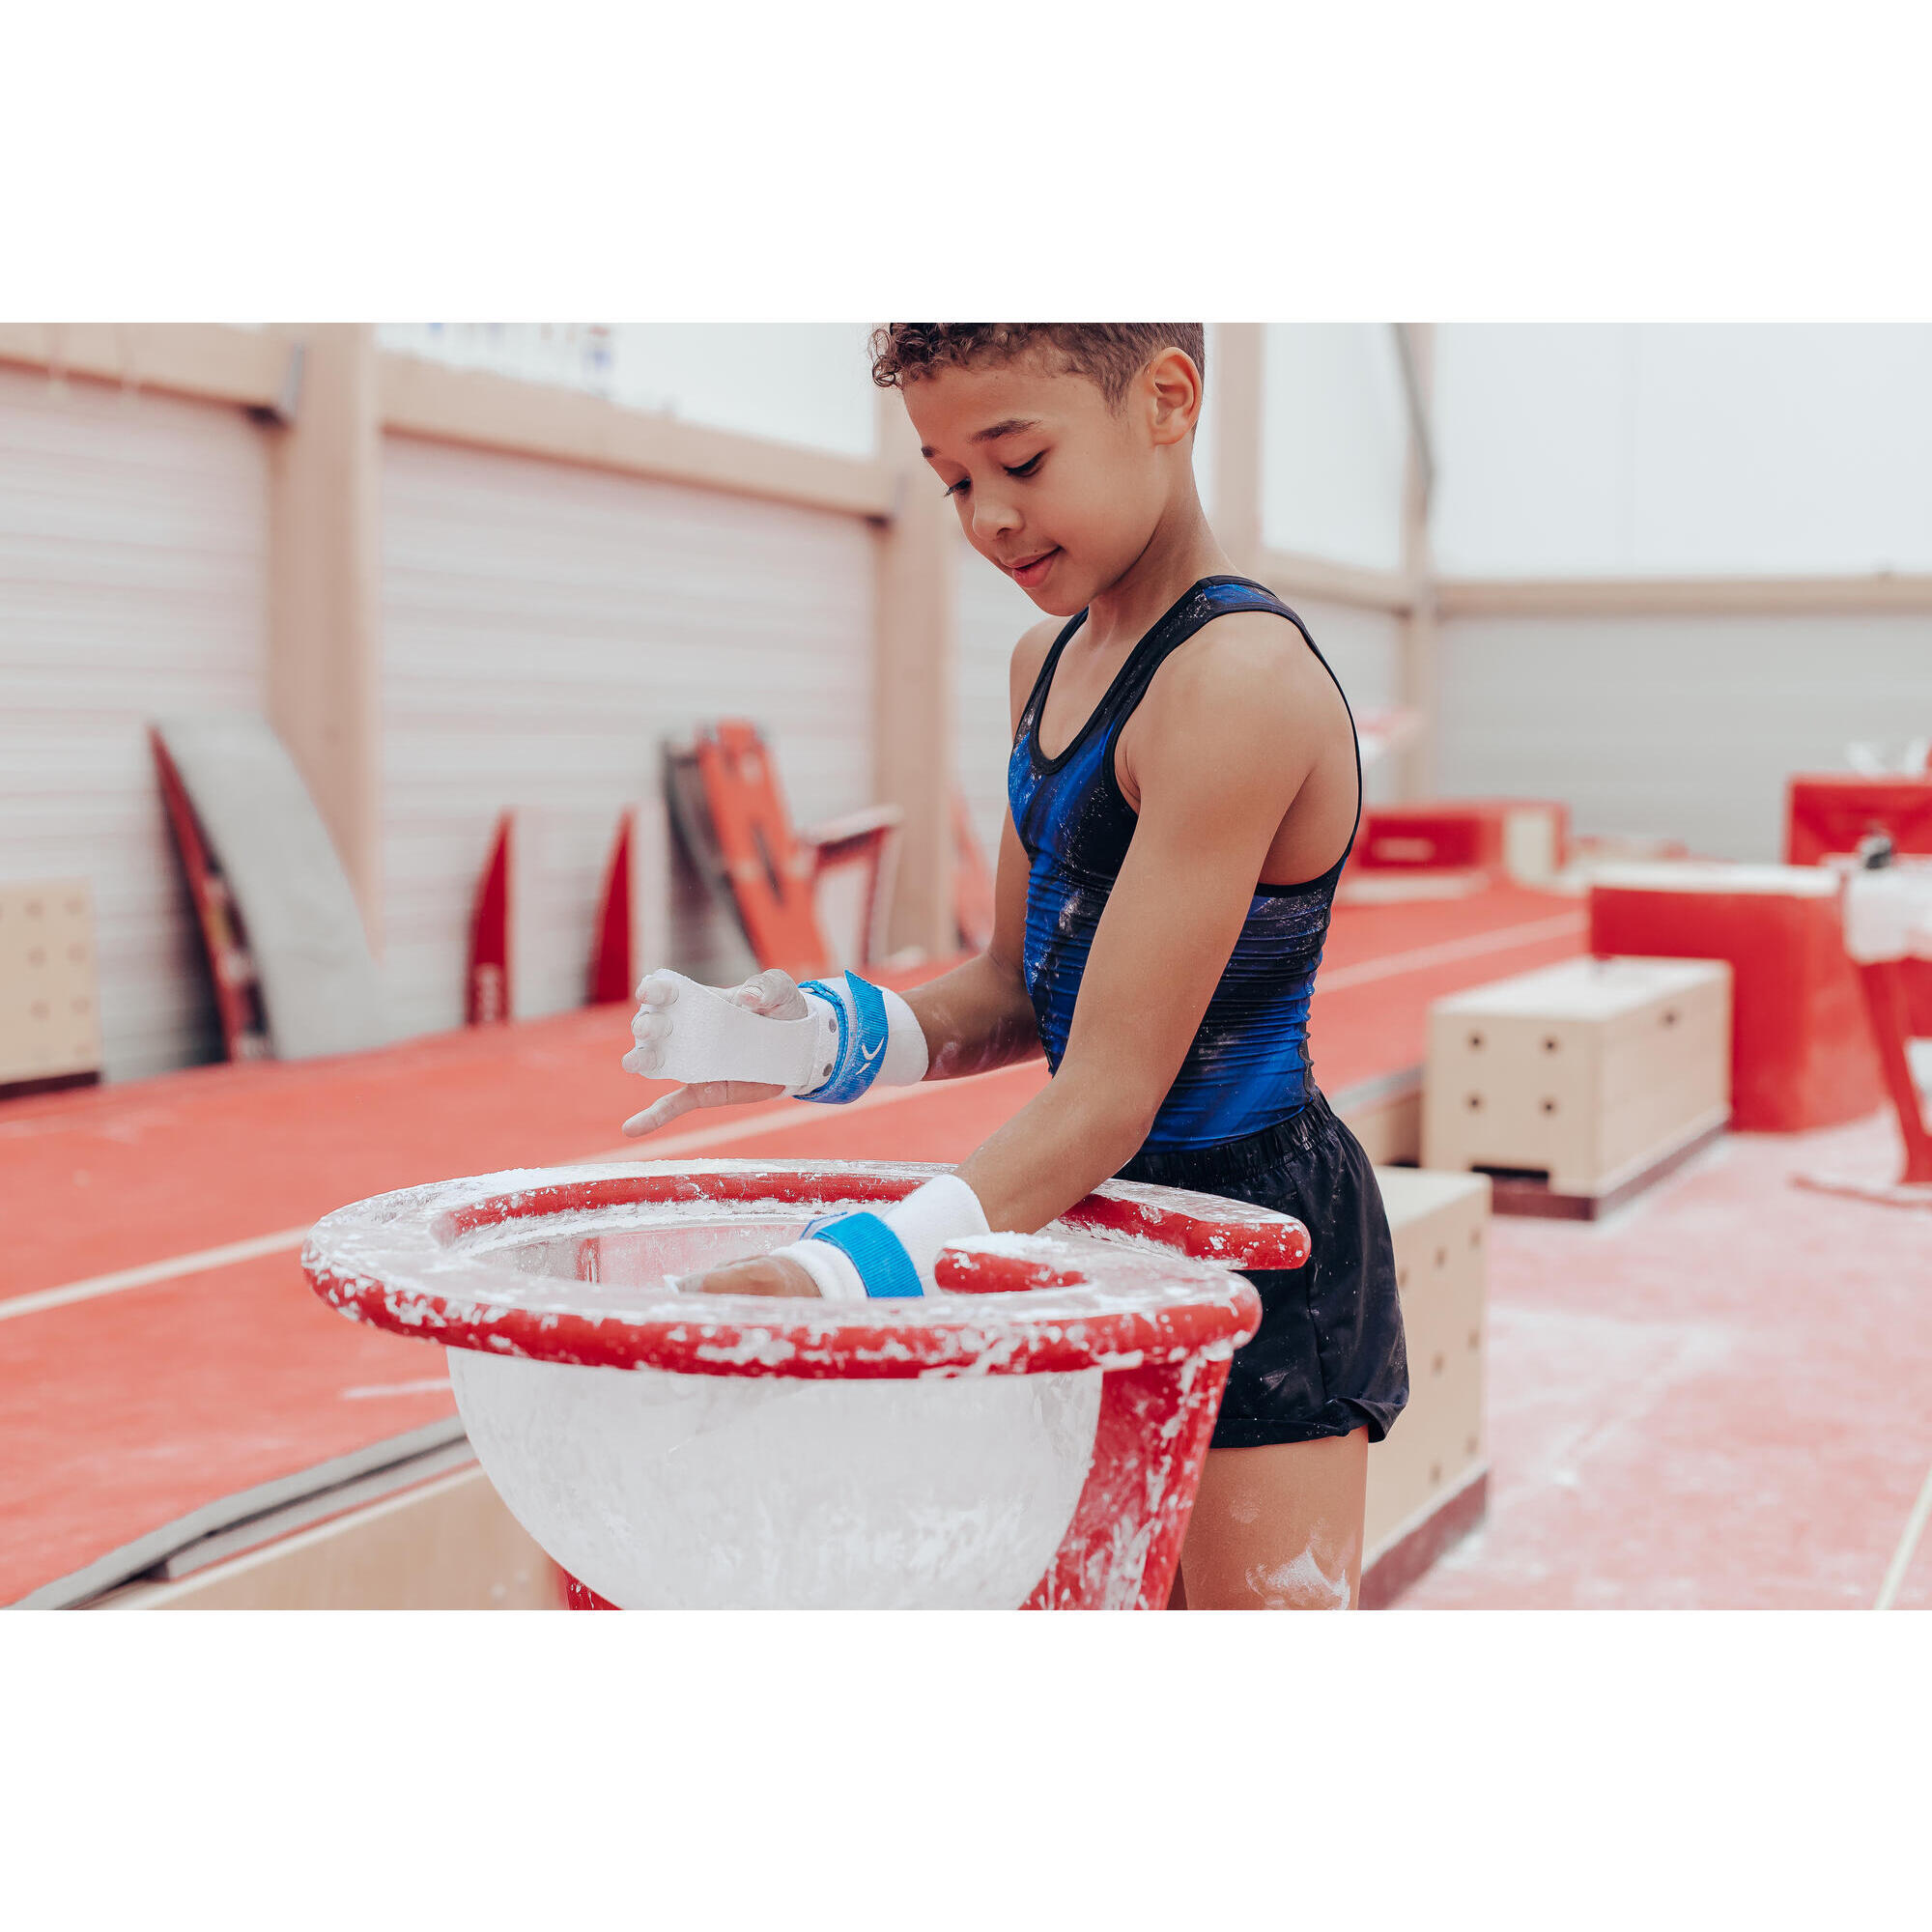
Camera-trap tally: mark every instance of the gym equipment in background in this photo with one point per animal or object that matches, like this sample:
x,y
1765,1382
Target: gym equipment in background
x,y
1429,1478
1578,1086
1520,839
1801,1044
809,902
49,995
1887,914
292,975
1835,814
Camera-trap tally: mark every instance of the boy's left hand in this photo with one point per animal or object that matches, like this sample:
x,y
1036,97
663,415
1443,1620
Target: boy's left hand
x,y
761,1274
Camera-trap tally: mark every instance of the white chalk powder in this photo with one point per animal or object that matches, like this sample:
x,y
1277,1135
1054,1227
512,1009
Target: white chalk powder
x,y
1299,1585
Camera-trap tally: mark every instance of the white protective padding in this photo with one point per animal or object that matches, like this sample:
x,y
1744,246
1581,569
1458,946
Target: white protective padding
x,y
320,988
1889,914
672,1491
1706,876
945,1209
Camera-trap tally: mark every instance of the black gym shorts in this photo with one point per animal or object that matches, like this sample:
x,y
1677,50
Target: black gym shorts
x,y
1330,1356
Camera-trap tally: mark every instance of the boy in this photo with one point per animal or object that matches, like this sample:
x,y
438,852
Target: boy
x,y
1186,785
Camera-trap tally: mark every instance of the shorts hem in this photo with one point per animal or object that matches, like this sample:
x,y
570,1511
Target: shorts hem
x,y
1336,1418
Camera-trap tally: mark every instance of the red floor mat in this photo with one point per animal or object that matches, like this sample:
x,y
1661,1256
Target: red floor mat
x,y
126,1412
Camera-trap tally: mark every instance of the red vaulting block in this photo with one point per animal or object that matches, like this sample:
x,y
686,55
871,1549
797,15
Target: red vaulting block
x,y
1800,1043
1832,812
1526,839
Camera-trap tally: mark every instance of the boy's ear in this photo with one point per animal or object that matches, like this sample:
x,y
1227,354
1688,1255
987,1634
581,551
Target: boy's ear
x,y
1172,386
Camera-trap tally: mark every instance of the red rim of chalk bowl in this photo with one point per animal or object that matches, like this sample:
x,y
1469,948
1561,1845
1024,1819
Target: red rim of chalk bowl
x,y
1132,1276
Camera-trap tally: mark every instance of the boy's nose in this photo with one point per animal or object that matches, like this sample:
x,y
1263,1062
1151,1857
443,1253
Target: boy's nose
x,y
992,518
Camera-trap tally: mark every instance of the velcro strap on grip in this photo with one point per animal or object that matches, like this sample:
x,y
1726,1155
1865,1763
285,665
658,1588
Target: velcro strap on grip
x,y
877,1253
863,1035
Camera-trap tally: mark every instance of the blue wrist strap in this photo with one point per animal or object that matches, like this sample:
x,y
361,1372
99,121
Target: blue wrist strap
x,y
877,1252
861,1040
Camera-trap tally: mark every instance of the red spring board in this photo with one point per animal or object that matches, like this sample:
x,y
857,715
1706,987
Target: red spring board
x,y
238,994
770,871
1458,834
488,989
613,972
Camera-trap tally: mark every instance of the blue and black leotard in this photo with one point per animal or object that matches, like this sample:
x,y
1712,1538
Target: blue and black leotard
x,y
1243,1118
1248,1067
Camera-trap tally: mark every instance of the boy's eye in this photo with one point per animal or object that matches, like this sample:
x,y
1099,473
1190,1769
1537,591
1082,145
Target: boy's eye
x,y
1030,468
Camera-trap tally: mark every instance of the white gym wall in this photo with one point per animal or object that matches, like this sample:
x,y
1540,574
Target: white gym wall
x,y
803,382
545,628
1678,727
1692,451
993,614
1334,444
1334,435
133,583
1661,451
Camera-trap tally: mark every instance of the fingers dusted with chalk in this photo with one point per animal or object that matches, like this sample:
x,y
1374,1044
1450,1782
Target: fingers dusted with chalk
x,y
702,1094
773,993
748,1042
650,1025
660,1114
650,1029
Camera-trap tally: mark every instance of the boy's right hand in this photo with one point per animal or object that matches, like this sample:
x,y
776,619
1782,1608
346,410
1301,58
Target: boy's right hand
x,y
773,994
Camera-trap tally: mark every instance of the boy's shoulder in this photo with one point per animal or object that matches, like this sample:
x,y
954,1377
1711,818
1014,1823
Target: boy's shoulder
x,y
1244,659
1029,655
1244,693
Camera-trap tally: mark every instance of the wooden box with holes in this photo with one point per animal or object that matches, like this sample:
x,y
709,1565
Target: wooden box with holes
x,y
49,1012
1575,1087
1429,1477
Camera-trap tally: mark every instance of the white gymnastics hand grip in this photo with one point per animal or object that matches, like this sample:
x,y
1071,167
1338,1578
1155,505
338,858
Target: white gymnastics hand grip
x,y
711,1036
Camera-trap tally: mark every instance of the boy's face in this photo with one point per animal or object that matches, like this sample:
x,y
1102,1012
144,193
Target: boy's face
x,y
1053,486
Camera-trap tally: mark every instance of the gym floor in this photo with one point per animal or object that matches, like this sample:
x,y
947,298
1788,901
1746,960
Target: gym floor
x,y
1715,1397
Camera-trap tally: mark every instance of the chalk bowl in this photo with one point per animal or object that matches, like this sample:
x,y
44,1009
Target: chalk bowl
x,y
1031,1433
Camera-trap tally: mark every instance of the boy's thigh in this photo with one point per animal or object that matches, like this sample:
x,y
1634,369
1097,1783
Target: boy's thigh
x,y
1277,1527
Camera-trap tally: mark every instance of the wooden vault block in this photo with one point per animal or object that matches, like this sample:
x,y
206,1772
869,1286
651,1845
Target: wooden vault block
x,y
49,999
1596,1075
1386,1116
1427,1477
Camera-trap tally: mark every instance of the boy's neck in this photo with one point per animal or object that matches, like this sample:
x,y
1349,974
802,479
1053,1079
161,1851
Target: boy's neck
x,y
1181,552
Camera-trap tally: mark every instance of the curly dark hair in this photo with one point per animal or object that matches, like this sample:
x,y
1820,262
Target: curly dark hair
x,y
1109,354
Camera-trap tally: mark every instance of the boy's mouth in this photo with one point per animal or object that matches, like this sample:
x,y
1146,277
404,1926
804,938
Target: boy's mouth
x,y
1033,568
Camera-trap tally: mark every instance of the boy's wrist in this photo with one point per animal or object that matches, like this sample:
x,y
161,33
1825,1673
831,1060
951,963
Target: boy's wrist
x,y
869,1034
890,1256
